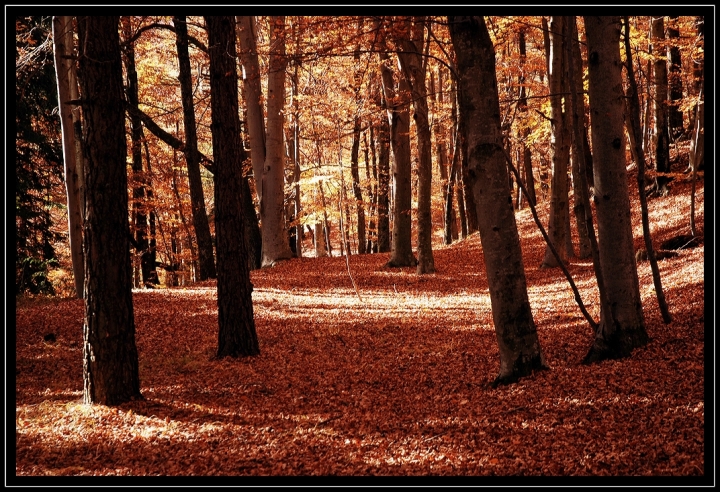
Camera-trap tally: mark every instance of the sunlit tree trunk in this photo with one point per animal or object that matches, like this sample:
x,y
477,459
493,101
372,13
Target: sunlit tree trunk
x,y
110,357
197,197
518,343
67,91
236,334
383,195
559,143
622,327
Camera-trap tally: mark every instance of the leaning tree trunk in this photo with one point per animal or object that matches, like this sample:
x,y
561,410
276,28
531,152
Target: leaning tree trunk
x,y
110,357
520,352
197,198
236,334
67,91
622,327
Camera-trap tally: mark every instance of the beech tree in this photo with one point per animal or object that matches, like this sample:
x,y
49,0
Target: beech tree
x,y
622,327
72,151
518,342
110,358
236,335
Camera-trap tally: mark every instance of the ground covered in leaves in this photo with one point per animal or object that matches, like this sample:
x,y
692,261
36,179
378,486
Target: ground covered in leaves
x,y
395,381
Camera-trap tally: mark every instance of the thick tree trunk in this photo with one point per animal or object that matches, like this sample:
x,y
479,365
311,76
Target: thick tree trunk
x,y
67,91
622,327
197,198
275,243
236,334
110,357
559,143
520,352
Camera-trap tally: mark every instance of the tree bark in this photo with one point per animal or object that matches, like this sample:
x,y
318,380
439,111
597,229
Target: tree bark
x,y
275,243
559,143
518,342
398,108
206,259
661,137
675,90
67,91
525,132
622,327
110,357
414,70
633,104
236,334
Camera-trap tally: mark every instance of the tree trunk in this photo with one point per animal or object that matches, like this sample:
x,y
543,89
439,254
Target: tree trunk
x,y
577,113
110,357
622,327
633,105
236,334
199,215
275,244
67,91
661,138
522,107
514,325
559,143
383,194
675,91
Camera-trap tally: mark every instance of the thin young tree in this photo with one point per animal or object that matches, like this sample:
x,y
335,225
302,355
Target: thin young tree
x,y
622,327
518,342
110,357
236,334
206,260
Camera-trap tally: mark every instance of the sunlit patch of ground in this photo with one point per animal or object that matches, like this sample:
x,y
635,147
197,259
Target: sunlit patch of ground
x,y
394,381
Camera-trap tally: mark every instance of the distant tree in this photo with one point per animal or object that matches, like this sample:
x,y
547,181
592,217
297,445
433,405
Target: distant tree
x,y
236,336
622,327
661,137
110,367
518,342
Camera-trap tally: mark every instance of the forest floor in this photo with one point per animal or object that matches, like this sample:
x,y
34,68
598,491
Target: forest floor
x,y
393,382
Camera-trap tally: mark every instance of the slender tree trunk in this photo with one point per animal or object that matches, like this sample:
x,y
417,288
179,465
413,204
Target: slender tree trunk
x,y
559,143
577,113
371,179
67,91
197,197
697,151
518,342
383,195
622,327
414,70
398,108
525,132
110,357
236,333
661,138
675,90
633,103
